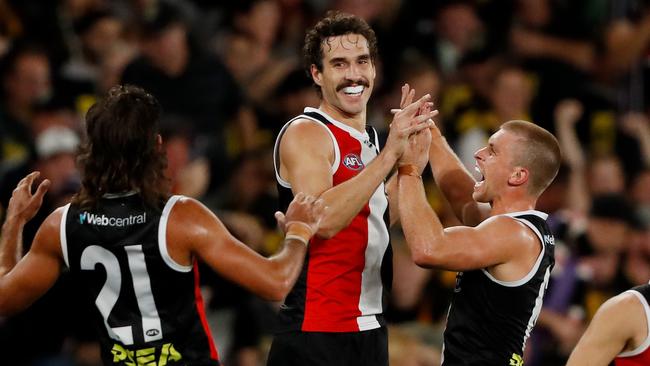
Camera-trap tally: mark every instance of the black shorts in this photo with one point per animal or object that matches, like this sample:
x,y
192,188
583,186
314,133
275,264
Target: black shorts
x,y
367,348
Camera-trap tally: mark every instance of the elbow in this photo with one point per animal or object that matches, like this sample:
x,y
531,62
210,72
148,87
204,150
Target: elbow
x,y
325,233
328,229
279,290
422,260
423,256
279,285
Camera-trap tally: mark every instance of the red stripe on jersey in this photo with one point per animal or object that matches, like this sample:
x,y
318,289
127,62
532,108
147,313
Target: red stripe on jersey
x,y
642,359
200,309
336,264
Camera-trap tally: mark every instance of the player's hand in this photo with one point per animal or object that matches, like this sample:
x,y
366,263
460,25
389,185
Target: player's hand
x,y
636,125
305,209
417,151
408,121
568,112
24,204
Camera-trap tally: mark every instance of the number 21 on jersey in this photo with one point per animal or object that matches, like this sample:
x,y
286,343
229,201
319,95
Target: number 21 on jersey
x,y
110,292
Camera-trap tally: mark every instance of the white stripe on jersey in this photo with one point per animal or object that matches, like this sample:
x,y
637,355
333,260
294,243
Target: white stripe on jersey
x,y
151,326
162,237
63,236
370,300
538,306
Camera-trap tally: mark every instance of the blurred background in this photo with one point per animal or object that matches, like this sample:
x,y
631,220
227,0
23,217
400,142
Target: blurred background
x,y
229,75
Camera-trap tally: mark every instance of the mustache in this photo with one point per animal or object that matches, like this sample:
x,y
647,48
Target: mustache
x,y
347,83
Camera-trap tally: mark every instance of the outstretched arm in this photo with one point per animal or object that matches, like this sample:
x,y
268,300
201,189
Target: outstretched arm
x,y
619,325
461,248
22,281
194,230
567,114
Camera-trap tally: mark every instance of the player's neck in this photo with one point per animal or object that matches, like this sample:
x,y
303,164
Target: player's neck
x,y
503,205
356,121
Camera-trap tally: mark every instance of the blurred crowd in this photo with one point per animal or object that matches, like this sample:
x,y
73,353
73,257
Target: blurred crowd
x,y
229,74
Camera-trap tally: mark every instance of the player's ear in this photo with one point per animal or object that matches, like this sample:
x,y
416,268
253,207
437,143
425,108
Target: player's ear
x,y
518,176
316,75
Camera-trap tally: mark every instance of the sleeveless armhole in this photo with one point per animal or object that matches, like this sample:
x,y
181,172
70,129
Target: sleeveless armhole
x,y
532,272
646,343
276,150
162,237
376,139
63,238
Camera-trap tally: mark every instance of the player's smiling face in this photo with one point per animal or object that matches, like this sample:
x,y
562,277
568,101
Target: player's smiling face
x,y
348,73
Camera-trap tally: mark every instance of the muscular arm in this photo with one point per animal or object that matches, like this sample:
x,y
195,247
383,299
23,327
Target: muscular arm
x,y
619,325
496,241
36,272
306,153
455,182
195,230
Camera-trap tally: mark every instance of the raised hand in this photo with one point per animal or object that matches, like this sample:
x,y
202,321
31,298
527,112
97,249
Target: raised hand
x,y
407,96
636,124
408,120
417,151
24,204
568,112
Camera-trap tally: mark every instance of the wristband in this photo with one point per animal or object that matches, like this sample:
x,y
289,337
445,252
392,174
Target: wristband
x,y
409,169
297,230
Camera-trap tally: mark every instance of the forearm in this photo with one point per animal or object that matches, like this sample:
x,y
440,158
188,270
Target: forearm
x,y
571,148
421,226
451,176
11,244
344,201
284,269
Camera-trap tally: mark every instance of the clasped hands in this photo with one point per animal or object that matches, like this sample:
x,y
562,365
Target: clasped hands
x,y
411,127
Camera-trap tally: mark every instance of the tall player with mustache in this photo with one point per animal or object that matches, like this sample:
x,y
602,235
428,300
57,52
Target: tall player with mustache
x,y
333,314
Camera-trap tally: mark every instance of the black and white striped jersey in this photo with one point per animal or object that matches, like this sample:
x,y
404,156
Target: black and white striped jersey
x,y
489,320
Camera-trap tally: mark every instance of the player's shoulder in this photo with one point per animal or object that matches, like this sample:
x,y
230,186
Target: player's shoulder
x,y
509,229
187,207
624,302
304,136
625,310
53,220
305,128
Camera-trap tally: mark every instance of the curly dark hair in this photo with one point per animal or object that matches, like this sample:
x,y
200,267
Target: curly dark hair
x,y
121,151
335,24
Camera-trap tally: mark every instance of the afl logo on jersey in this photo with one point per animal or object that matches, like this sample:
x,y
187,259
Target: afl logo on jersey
x,y
152,332
353,162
